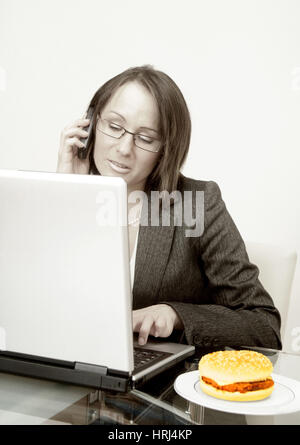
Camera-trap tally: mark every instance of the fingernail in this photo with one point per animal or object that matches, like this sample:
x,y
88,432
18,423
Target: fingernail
x,y
141,341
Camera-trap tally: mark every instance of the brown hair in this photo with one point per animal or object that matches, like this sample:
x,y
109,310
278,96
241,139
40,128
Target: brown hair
x,y
175,123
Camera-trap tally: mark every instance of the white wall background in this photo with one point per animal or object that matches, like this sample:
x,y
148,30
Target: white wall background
x,y
236,61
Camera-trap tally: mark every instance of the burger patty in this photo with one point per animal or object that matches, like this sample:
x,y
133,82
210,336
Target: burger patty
x,y
241,386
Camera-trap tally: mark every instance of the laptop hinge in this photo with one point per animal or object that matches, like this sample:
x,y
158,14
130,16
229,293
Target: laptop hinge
x,y
110,382
91,368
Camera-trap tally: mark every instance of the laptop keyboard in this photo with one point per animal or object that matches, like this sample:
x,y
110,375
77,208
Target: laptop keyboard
x,y
143,358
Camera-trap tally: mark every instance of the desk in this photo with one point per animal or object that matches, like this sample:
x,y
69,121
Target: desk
x,y
34,402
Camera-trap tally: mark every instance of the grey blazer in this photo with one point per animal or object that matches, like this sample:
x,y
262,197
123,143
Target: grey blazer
x,y
208,280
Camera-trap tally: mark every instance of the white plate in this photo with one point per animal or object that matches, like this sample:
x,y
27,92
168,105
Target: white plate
x,y
284,399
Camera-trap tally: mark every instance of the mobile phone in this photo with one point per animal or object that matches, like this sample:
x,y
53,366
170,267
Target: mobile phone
x,y
82,152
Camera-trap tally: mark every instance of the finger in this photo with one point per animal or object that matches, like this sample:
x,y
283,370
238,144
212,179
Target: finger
x,y
74,142
145,329
76,131
138,316
82,122
78,123
160,327
70,148
136,322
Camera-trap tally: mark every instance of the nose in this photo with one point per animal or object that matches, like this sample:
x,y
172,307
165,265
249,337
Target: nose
x,y
125,144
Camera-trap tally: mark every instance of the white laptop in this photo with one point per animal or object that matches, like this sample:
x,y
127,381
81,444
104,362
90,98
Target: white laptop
x,y
65,291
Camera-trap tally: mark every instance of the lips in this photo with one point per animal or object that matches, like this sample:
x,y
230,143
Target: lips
x,y
118,164
118,167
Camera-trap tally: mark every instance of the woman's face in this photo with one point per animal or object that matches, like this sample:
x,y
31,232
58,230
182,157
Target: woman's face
x,y
134,108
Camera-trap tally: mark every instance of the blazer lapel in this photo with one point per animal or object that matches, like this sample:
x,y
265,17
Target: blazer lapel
x,y
154,244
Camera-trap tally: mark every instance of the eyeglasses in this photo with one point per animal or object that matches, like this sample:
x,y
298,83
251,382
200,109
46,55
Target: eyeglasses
x,y
116,131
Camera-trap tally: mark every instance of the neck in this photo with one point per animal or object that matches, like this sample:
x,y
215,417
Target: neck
x,y
135,188
135,201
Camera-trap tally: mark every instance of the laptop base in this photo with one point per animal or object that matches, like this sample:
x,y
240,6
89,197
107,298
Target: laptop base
x,y
73,373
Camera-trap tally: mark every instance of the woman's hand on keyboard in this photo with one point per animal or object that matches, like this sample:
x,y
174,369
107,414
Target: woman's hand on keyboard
x,y
159,320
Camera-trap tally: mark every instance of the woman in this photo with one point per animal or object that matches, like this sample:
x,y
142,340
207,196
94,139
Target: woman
x,y
202,290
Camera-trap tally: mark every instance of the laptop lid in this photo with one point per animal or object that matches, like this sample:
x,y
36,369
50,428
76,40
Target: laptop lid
x,y
65,291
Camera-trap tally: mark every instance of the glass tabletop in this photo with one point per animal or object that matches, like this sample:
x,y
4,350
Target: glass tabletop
x,y
286,368
32,401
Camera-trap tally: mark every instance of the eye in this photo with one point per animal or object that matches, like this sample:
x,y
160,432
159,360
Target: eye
x,y
145,139
115,127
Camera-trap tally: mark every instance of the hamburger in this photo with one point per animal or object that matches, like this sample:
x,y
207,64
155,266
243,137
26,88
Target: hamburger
x,y
236,375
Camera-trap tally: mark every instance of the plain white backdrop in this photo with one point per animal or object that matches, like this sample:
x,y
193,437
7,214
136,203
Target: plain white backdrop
x,y
237,63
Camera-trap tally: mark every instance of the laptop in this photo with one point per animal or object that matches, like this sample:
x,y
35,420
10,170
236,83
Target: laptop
x,y
65,290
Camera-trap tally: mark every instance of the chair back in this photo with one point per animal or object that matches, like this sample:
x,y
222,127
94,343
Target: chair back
x,y
277,266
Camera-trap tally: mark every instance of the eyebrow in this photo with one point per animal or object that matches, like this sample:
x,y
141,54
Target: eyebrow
x,y
142,128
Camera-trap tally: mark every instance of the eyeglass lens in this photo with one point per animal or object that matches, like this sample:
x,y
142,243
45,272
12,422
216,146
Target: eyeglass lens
x,y
116,131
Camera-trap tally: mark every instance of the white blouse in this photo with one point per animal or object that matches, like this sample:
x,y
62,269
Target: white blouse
x,y
132,259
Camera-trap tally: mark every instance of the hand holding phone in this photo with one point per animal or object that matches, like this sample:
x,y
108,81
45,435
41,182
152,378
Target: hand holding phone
x,y
82,151
74,144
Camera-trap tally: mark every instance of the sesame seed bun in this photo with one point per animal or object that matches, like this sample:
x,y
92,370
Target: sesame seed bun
x,y
241,370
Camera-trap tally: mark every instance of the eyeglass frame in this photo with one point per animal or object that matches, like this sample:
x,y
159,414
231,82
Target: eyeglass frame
x,y
126,131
